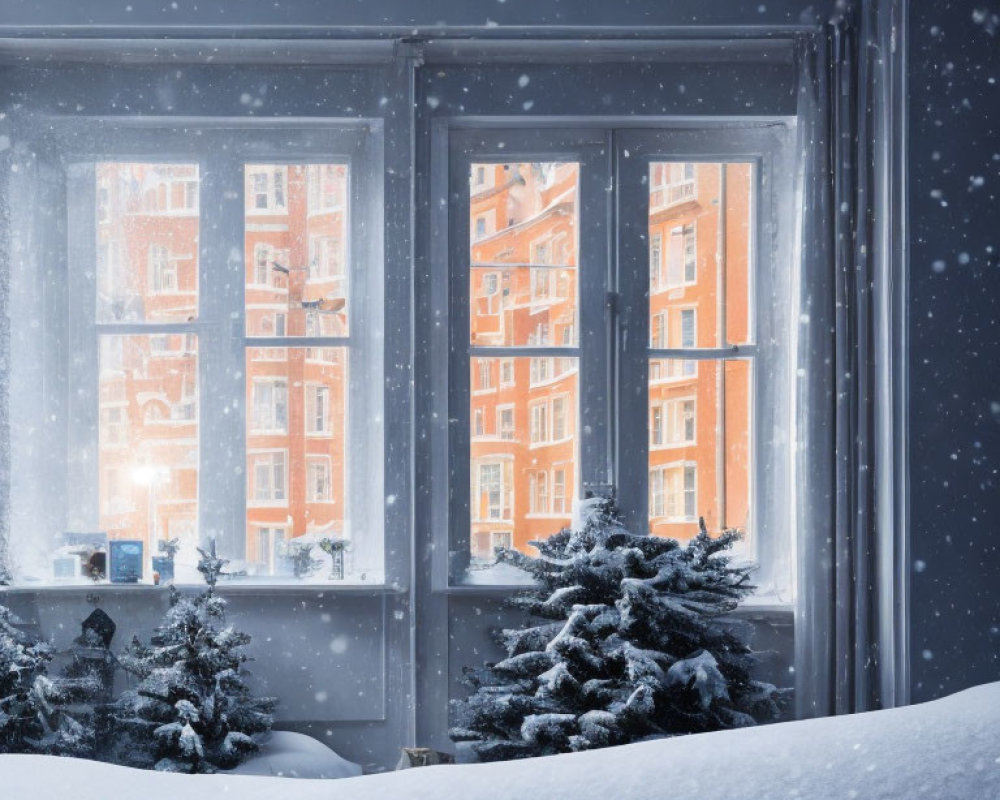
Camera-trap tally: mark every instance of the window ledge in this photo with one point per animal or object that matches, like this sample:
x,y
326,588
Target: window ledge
x,y
224,589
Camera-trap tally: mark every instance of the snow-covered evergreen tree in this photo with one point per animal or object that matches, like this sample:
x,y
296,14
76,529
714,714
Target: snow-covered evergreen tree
x,y
624,643
39,714
192,710
23,660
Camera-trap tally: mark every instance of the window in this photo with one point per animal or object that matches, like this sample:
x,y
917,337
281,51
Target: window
x,y
673,493
505,423
325,259
506,372
162,272
270,405
559,430
485,374
269,475
538,492
676,444
318,479
327,188
266,188
559,491
317,409
270,542
494,491
151,243
263,260
655,261
681,256
539,423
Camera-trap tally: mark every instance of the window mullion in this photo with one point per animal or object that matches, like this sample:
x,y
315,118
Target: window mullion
x,y
596,396
222,358
631,201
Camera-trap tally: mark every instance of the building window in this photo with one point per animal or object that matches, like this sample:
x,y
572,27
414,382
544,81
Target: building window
x,y
327,188
263,259
325,258
655,261
492,489
673,493
539,423
484,370
266,188
505,423
682,257
559,492
538,492
270,405
270,543
318,480
672,423
506,372
559,428
317,409
162,271
269,474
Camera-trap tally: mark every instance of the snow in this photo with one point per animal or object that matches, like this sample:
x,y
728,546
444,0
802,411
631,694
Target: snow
x,y
295,755
943,749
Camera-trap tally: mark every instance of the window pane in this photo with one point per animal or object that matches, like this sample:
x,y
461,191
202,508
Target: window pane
x,y
296,249
523,250
523,469
296,428
147,242
148,441
699,446
699,245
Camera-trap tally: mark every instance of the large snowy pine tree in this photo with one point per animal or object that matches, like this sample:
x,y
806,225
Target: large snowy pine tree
x,y
192,710
624,643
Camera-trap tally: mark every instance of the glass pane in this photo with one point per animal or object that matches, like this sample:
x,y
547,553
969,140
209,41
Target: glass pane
x,y
147,242
296,428
296,249
699,446
523,468
148,442
699,245
523,229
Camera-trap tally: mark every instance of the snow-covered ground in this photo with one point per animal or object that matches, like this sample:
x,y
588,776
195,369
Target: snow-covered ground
x,y
949,748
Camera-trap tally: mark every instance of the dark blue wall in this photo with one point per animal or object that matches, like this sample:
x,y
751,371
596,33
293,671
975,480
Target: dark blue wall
x,y
954,167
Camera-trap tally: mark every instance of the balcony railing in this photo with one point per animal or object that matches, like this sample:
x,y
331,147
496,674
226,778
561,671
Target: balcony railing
x,y
671,194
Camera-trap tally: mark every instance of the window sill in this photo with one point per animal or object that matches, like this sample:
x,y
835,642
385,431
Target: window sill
x,y
225,588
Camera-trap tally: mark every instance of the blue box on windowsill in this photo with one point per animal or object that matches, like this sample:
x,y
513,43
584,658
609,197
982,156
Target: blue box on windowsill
x,y
125,557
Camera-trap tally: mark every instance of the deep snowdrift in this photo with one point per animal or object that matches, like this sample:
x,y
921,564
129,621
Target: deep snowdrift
x,y
949,748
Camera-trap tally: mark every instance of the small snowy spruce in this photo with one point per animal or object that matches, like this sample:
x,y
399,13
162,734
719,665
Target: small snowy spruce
x,y
35,711
23,661
192,710
624,643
